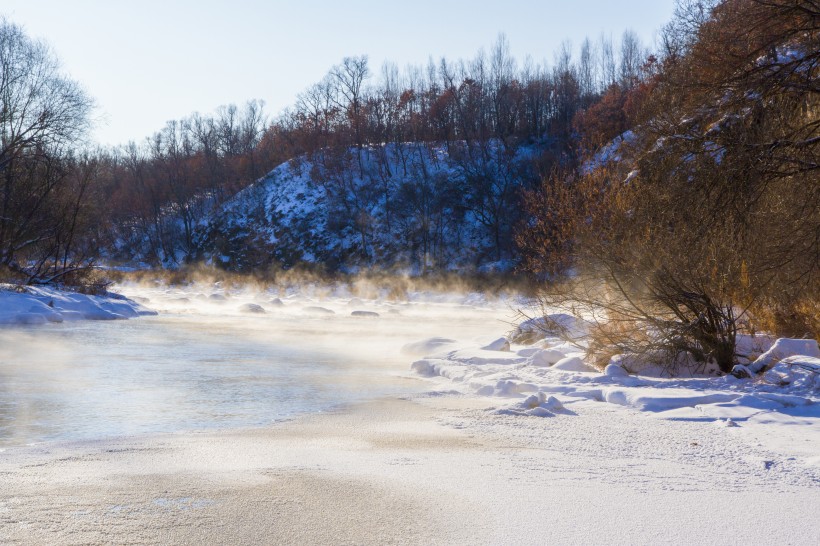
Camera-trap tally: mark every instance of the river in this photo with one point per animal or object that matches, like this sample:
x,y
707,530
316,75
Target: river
x,y
207,362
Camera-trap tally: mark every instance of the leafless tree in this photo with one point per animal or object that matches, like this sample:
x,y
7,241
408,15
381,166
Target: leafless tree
x,y
42,115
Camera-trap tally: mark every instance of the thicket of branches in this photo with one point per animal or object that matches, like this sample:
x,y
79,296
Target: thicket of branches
x,y
709,222
43,179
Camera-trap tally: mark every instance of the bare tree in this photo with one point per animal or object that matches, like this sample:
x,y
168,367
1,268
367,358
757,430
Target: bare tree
x,y
350,76
586,70
606,59
632,58
42,114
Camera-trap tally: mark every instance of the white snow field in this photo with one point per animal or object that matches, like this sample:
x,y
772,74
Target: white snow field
x,y
780,410
425,421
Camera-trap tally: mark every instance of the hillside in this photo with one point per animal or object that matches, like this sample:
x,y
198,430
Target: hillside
x,y
410,205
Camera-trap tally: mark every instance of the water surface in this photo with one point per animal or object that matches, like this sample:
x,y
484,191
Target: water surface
x,y
203,363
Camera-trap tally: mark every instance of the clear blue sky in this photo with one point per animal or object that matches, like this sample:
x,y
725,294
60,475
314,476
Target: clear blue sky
x,y
149,61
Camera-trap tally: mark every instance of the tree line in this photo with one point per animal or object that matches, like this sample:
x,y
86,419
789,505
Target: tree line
x,y
67,203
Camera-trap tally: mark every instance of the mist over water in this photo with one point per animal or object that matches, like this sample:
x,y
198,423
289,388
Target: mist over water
x,y
223,358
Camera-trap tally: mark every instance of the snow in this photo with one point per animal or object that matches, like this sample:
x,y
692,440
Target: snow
x,y
544,357
784,348
800,371
557,324
572,364
41,305
779,409
535,423
500,344
614,370
536,405
610,153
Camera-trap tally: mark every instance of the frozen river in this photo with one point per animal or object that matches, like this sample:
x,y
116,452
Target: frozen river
x,y
209,361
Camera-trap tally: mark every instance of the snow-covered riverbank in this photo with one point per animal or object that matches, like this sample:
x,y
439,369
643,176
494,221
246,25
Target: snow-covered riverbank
x,y
40,305
779,409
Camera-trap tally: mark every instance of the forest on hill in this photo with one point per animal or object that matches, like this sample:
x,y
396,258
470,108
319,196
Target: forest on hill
x,y
675,190
148,201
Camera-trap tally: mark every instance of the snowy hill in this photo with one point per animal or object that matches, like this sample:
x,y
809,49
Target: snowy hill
x,y
412,205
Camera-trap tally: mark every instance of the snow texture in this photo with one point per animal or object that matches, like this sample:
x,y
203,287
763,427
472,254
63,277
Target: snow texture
x,y
780,408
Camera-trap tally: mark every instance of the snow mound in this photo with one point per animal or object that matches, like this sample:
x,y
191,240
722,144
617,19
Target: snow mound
x,y
784,348
500,344
537,405
614,370
573,364
554,325
546,357
317,310
799,371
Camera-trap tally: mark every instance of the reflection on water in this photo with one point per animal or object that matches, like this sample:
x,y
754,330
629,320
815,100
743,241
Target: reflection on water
x,y
205,366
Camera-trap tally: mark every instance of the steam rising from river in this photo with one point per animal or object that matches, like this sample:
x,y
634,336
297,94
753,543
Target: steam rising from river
x,y
221,354
360,319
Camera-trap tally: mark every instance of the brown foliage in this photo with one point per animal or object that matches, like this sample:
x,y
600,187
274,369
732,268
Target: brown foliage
x,y
604,120
711,220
